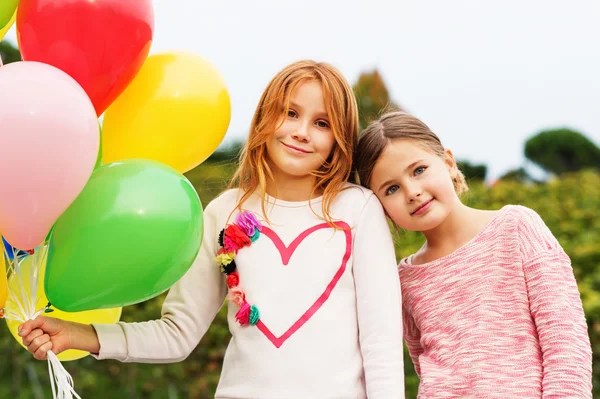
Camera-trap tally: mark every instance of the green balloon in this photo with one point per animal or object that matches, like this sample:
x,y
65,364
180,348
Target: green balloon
x,y
134,230
7,9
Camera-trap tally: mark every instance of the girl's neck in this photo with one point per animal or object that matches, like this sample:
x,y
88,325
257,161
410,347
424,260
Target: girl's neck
x,y
460,226
289,188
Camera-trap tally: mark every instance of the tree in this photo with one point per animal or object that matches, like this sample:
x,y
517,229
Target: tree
x,y
9,53
518,175
562,150
227,154
372,97
471,171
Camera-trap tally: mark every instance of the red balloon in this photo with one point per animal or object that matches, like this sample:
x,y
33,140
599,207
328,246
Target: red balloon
x,y
102,44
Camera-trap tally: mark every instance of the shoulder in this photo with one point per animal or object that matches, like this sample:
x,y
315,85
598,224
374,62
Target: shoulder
x,y
359,206
221,207
533,234
521,214
525,220
515,218
227,200
357,201
356,195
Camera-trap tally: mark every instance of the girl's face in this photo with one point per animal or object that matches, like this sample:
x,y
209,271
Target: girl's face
x,y
305,140
414,185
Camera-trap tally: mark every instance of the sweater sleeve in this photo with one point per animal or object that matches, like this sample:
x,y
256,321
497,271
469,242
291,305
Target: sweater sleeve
x,y
412,336
379,304
557,311
187,312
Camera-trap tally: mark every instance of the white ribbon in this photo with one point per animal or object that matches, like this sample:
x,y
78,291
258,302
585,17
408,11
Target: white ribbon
x,y
60,379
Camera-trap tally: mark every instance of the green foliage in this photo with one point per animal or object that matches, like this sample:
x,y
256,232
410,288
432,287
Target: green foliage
x,y
517,175
472,171
372,97
562,150
227,154
9,53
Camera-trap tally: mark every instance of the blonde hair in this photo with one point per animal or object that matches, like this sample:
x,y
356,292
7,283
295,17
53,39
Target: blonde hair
x,y
254,171
397,126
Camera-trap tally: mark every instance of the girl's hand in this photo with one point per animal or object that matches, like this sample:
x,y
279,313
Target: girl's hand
x,y
46,333
43,334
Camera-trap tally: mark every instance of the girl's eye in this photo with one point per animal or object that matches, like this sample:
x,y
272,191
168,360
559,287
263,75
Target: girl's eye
x,y
420,170
392,189
292,113
322,124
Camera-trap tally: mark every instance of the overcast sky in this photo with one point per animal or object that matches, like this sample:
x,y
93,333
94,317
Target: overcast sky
x,y
484,75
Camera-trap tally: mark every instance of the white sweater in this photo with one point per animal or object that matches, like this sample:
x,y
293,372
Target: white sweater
x,y
330,306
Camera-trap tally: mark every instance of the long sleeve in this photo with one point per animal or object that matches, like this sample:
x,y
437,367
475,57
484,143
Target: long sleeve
x,y
187,313
558,314
412,336
379,304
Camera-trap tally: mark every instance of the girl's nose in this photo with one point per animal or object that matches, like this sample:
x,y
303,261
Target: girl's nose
x,y
413,192
302,133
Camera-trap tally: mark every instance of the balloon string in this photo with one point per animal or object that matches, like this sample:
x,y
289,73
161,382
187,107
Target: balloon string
x,y
60,379
8,315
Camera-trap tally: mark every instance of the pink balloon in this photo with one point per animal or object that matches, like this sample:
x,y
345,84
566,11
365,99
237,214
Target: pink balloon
x,y
49,138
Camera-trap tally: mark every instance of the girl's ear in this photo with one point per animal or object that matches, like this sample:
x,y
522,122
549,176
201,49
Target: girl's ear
x,y
450,163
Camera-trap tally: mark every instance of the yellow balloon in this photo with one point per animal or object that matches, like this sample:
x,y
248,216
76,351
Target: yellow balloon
x,y
176,111
3,282
8,25
101,316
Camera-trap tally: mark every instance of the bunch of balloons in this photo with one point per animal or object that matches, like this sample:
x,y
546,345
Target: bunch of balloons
x,y
96,216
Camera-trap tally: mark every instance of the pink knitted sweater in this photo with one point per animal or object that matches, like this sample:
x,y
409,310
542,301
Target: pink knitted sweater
x,y
500,317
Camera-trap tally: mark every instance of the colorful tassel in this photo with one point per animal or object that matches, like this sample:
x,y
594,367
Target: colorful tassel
x,y
230,268
221,235
248,223
255,235
235,239
243,315
225,258
237,296
254,315
233,279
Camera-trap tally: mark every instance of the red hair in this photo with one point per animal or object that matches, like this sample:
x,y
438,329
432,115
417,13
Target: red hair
x,y
254,171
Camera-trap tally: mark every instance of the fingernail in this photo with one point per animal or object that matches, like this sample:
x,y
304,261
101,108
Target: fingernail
x,y
20,332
